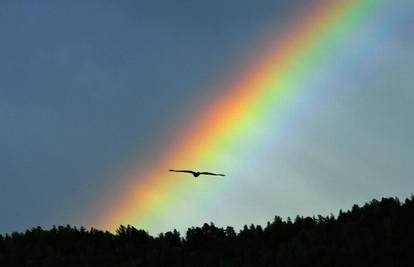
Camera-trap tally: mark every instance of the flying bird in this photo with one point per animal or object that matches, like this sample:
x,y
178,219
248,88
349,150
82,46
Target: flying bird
x,y
196,174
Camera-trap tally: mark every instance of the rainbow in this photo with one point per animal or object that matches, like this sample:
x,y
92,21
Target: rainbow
x,y
265,89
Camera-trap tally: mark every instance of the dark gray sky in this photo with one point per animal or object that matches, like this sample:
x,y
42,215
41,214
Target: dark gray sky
x,y
91,88
86,86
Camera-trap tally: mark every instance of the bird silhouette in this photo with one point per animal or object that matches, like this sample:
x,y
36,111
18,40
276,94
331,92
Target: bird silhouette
x,y
196,174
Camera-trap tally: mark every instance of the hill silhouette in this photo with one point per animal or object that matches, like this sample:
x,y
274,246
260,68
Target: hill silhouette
x,y
379,233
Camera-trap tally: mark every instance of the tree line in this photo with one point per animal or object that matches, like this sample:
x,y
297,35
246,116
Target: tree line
x,y
379,233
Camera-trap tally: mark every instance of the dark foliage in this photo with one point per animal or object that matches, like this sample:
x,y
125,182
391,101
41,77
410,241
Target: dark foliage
x,y
380,233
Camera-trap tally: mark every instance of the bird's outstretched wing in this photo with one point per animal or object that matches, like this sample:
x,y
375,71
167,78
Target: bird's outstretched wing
x,y
187,171
210,173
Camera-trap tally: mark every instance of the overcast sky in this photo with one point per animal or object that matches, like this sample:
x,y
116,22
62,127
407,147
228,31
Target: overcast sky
x,y
90,88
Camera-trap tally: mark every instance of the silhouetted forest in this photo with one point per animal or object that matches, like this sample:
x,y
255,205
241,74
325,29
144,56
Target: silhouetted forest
x,y
380,233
